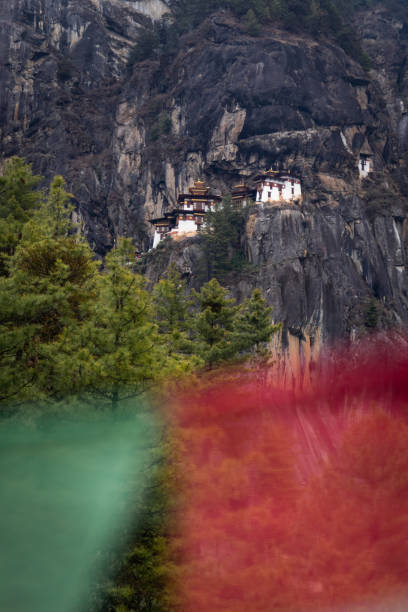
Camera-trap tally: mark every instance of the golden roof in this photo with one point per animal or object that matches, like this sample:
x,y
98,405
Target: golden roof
x,y
199,188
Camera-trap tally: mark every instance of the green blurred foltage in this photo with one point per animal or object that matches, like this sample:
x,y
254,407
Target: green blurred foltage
x,y
67,487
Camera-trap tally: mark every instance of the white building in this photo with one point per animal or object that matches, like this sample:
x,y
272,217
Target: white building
x,y
188,218
278,186
365,165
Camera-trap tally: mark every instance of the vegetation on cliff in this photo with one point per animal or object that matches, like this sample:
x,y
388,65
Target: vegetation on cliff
x,y
317,18
69,327
72,329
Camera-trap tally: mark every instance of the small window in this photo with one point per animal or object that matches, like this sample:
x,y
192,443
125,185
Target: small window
x,y
293,191
269,194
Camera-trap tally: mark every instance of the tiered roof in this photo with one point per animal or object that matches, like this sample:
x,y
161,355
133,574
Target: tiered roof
x,y
198,193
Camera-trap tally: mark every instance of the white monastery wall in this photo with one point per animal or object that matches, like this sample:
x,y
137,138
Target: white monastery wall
x,y
365,166
278,190
186,226
156,239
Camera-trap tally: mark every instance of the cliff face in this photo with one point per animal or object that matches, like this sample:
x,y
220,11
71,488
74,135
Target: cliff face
x,y
62,71
225,107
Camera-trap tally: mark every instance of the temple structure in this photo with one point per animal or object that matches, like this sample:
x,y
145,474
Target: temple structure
x,y
278,186
188,217
241,194
365,165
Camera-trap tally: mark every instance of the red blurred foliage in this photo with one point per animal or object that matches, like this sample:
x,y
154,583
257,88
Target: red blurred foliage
x,y
296,501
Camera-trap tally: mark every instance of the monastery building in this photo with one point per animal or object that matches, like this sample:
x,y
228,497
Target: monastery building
x,y
278,186
365,165
188,217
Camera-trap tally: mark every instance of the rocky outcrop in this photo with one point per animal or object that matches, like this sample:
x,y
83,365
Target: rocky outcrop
x,y
226,106
63,66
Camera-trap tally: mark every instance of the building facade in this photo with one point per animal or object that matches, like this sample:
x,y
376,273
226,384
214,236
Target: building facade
x,y
241,194
188,217
278,186
365,165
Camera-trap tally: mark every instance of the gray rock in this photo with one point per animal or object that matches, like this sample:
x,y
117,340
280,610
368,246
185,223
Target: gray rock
x,y
237,104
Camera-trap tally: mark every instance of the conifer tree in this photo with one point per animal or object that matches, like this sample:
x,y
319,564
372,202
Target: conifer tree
x,y
170,302
18,199
125,356
171,308
252,23
214,324
253,327
51,278
58,209
222,235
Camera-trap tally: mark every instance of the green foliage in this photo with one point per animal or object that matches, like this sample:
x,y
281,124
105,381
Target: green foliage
x,y
40,308
252,23
68,329
18,199
171,307
222,237
50,279
164,123
173,317
121,339
253,328
161,127
214,324
371,315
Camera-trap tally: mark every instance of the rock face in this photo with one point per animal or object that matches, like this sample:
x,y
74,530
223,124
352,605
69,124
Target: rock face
x,y
227,106
63,68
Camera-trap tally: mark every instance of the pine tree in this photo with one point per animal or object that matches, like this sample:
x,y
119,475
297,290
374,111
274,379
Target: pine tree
x,y
51,278
18,199
214,324
125,356
252,327
222,236
171,306
57,209
252,23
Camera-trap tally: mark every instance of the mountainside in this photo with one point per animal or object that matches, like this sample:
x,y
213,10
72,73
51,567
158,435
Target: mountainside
x,y
130,138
